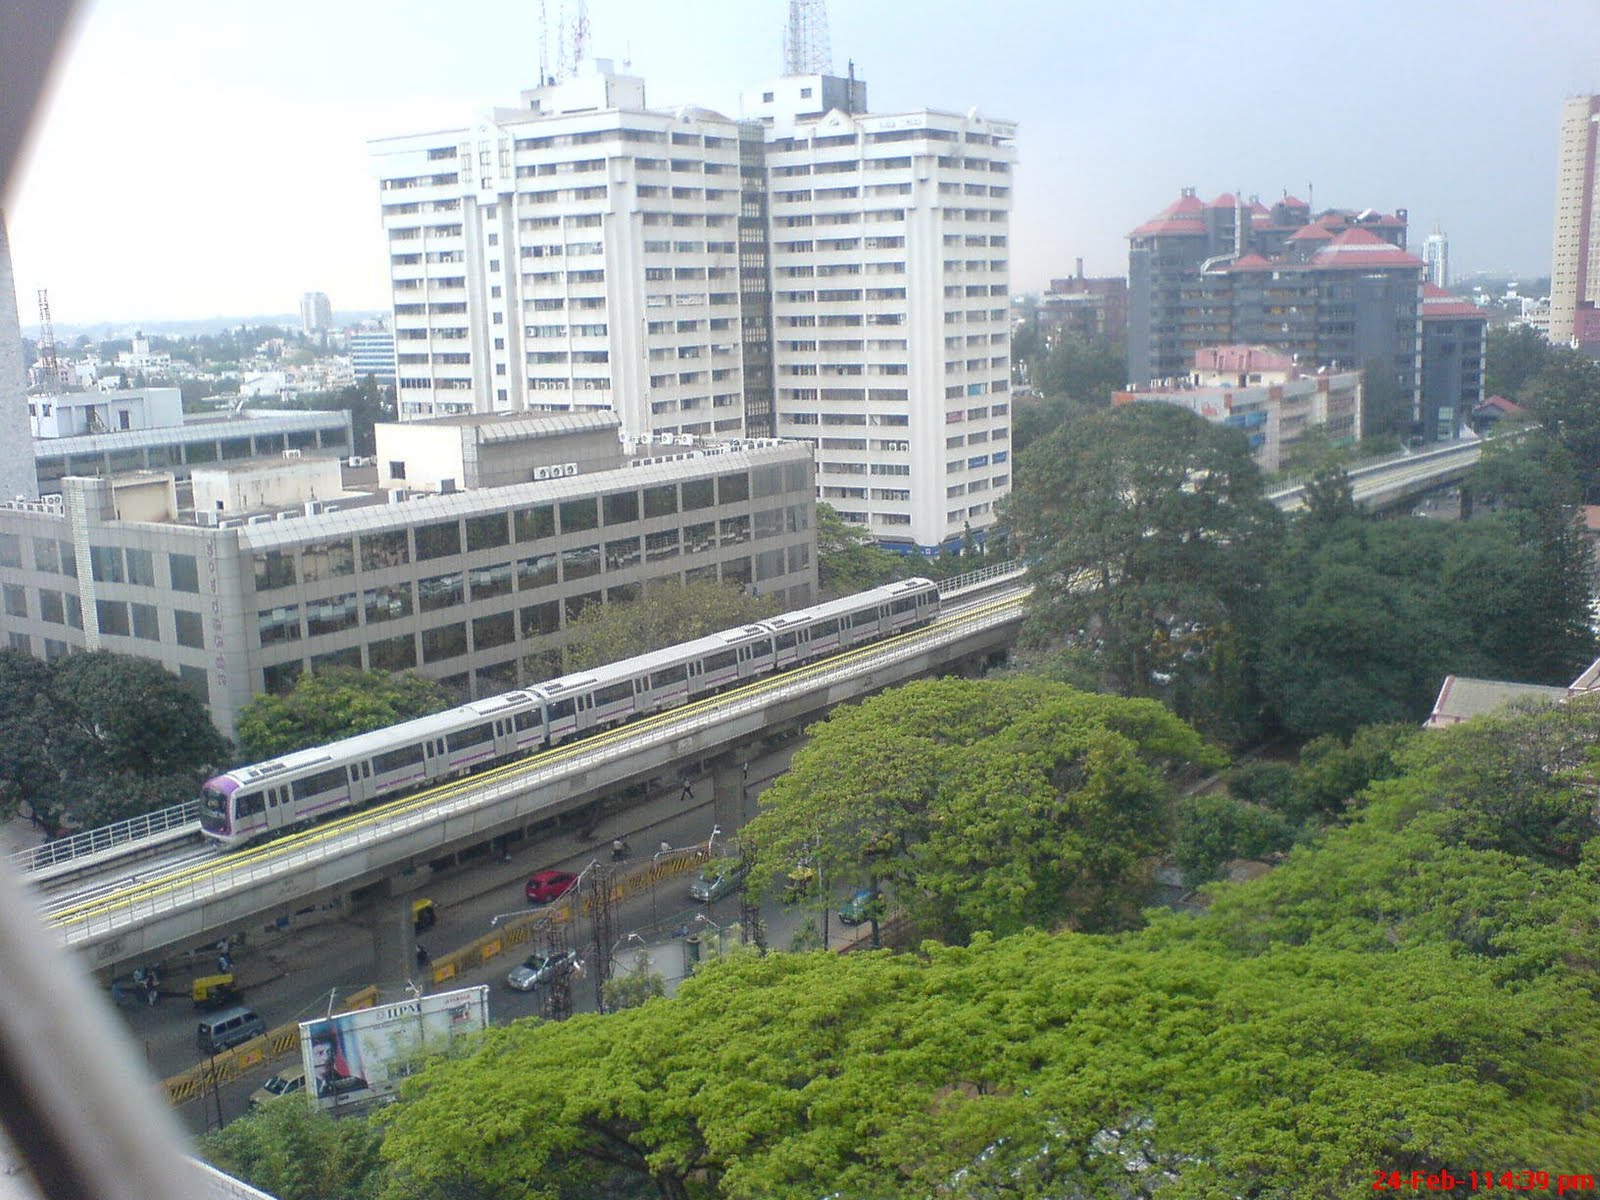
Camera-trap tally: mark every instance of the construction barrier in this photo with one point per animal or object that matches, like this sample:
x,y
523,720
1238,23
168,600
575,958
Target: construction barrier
x,y
202,1079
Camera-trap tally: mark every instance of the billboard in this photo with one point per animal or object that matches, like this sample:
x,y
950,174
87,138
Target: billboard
x,y
360,1056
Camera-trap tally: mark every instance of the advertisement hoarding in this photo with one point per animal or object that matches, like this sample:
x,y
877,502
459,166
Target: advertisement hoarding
x,y
360,1056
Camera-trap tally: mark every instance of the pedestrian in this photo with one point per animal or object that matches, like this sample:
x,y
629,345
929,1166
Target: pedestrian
x,y
688,791
224,963
422,956
152,988
619,849
666,846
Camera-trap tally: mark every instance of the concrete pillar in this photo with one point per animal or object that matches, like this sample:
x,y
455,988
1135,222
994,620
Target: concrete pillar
x,y
729,800
394,942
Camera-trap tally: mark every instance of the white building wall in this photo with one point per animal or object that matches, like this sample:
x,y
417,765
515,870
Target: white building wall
x,y
1575,167
562,260
891,280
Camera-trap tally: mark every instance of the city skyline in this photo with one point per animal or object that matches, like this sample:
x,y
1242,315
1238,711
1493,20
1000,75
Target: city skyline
x,y
232,181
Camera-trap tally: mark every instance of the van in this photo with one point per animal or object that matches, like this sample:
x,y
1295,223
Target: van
x,y
228,1028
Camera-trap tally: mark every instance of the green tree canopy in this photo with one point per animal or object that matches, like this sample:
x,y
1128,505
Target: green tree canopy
x,y
292,1152
93,738
1514,357
325,706
1146,529
848,560
667,612
983,805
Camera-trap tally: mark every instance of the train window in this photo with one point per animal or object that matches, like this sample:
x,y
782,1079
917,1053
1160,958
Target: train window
x,y
668,677
903,606
721,660
786,641
825,628
394,760
248,805
316,785
617,691
561,710
865,617
463,738
527,720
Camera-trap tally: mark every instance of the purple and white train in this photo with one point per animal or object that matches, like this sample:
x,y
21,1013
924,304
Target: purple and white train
x,y
259,801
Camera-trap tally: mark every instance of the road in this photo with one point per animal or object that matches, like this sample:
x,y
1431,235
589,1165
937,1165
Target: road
x,y
291,978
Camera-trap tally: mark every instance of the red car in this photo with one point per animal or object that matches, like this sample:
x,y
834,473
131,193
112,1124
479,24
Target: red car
x,y
545,886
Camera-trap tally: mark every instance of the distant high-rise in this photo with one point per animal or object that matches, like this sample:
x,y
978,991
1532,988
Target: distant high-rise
x,y
1575,259
316,314
1436,253
17,479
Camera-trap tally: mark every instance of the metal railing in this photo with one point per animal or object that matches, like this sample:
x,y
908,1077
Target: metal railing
x,y
1011,568
432,813
185,816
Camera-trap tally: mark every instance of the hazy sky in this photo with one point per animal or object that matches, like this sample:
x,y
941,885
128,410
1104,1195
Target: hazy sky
x,y
205,157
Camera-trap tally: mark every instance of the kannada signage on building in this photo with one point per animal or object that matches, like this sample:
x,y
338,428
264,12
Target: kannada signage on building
x,y
360,1056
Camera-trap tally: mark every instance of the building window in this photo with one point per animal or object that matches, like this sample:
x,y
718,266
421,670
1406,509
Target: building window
x,y
660,546
497,630
733,489
576,605
10,550
16,600
105,563
541,618
327,560
534,523
47,555
392,654
735,531
113,617
141,567
699,538
490,581
621,508
661,501
274,569
184,572
144,622
581,562
441,591
331,615
387,603
51,609
448,641
579,515
486,532
188,629
279,678
622,554
538,571
698,493
278,625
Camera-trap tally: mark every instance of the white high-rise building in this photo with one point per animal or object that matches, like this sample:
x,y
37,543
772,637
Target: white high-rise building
x,y
1575,251
814,271
1436,254
890,262
578,252
316,313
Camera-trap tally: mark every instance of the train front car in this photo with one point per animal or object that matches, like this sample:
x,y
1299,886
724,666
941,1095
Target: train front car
x,y
216,808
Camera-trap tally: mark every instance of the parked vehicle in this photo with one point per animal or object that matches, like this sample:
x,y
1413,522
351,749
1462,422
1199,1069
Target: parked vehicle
x,y
266,799
424,915
537,970
213,991
229,1028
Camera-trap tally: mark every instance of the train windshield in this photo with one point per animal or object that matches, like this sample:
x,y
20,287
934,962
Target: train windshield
x,y
213,810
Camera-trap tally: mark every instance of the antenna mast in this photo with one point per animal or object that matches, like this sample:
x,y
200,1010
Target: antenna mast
x,y
805,39
50,369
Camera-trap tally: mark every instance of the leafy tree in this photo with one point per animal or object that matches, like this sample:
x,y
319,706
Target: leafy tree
x,y
101,737
1332,773
1087,370
983,805
848,560
1215,828
1514,357
666,613
293,1152
1565,399
634,986
325,706
1148,527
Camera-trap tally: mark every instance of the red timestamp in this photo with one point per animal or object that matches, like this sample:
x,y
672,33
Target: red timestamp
x,y
1511,1181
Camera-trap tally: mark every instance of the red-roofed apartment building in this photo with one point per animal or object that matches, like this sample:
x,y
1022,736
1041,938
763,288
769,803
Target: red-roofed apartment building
x,y
1335,290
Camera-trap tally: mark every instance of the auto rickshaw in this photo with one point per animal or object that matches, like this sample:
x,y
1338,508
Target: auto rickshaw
x,y
213,991
423,915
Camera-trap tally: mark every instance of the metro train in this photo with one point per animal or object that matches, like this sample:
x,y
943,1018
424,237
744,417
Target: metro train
x,y
259,801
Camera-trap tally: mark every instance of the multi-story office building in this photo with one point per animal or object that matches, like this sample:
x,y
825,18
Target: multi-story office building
x,y
372,355
1264,395
1575,258
316,313
283,564
1455,343
1339,291
890,261
812,271
579,252
1086,307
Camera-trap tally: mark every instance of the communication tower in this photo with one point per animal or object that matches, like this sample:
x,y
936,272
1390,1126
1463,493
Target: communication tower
x,y
805,39
49,368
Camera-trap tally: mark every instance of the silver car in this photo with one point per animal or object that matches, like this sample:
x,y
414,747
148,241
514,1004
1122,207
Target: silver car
x,y
539,969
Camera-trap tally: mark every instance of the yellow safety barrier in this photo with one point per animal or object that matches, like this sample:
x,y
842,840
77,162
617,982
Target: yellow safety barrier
x,y
231,1064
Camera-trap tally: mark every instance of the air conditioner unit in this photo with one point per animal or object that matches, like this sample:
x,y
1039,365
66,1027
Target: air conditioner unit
x,y
291,454
541,472
569,468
